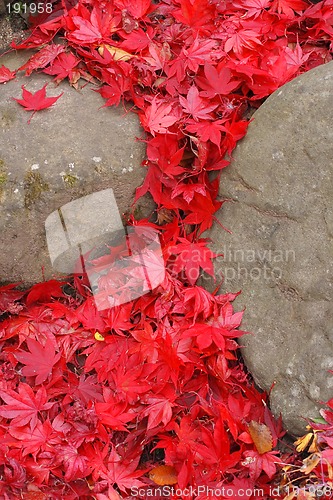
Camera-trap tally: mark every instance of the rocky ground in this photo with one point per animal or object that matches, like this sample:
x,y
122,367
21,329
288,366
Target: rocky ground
x,y
11,28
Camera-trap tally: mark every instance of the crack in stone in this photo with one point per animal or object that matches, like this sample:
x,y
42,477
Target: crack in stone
x,y
244,183
271,213
327,227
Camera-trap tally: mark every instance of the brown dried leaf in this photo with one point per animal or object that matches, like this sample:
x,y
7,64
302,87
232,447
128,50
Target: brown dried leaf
x,y
262,436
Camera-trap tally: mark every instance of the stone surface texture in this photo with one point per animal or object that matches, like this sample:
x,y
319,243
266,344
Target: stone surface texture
x,y
67,151
280,212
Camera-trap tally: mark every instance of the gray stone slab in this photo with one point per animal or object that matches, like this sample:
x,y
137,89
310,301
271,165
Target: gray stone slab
x,y
68,151
280,212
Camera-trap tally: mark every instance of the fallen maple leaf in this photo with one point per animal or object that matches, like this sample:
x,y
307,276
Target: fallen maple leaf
x,y
216,82
43,292
42,58
190,257
158,117
6,74
39,361
196,106
36,101
64,65
23,407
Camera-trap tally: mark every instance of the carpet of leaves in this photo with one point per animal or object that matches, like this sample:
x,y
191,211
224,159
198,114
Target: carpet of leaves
x,y
153,392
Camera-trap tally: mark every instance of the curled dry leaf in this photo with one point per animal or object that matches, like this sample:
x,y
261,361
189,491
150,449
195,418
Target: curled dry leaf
x,y
262,436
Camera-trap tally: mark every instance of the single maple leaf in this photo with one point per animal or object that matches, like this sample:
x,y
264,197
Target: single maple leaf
x,y
216,82
254,7
39,361
44,57
202,209
137,9
190,257
198,300
242,39
76,464
159,411
196,13
166,152
114,414
36,101
88,389
37,439
97,26
196,106
123,472
43,292
6,74
258,463
198,53
288,8
158,117
188,191
23,407
208,130
64,66
139,39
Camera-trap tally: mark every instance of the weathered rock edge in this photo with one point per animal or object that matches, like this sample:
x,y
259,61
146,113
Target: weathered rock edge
x,y
280,212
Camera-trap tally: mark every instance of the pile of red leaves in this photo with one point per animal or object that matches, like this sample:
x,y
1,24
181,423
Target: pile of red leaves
x,y
116,404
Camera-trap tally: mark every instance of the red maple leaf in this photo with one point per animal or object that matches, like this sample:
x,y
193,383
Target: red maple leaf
x,y
43,292
198,300
195,13
158,117
255,7
39,361
137,9
188,191
257,463
288,7
37,439
94,27
196,106
208,130
113,412
23,407
199,52
242,39
42,58
123,472
37,101
76,464
6,74
63,67
159,411
190,257
216,81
